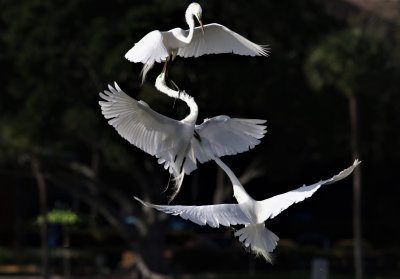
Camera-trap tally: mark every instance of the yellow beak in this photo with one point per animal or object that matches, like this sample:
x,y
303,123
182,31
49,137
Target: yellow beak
x,y
201,25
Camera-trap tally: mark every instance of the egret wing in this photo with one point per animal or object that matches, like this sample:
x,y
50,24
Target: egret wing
x,y
219,39
212,215
222,135
271,207
149,49
136,122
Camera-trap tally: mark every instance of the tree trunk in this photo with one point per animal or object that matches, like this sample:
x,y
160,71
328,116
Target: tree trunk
x,y
41,184
357,225
151,248
67,252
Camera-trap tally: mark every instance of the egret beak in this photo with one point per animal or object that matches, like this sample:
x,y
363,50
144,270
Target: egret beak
x,y
201,25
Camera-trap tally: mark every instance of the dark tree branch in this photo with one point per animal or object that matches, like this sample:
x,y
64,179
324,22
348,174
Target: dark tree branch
x,y
42,192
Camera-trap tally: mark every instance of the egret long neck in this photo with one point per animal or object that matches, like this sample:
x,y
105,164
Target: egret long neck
x,y
189,100
190,23
194,110
238,191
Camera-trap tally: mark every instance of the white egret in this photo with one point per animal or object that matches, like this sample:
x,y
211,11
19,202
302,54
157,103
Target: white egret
x,y
248,212
214,38
178,144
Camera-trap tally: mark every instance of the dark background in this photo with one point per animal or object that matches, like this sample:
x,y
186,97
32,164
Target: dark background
x,y
59,155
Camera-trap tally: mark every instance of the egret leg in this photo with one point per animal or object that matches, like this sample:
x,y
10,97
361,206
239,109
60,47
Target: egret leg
x,y
170,176
165,68
175,86
169,180
170,81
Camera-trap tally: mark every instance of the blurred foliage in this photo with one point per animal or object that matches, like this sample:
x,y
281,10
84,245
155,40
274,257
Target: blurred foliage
x,y
347,61
60,216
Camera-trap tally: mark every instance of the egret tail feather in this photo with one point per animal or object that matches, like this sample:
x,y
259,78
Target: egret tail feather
x,y
146,68
178,180
260,240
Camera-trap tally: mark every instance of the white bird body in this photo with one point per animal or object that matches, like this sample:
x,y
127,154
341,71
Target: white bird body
x,y
178,144
159,46
248,212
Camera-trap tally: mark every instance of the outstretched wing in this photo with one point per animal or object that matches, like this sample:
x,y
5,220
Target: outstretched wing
x,y
271,207
219,39
136,122
212,215
149,49
222,135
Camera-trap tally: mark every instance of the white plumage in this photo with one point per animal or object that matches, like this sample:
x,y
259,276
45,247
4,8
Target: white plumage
x,y
178,144
248,212
159,46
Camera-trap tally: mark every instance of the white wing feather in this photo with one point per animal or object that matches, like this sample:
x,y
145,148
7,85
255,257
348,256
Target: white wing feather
x,y
212,215
219,39
222,135
149,49
135,121
271,207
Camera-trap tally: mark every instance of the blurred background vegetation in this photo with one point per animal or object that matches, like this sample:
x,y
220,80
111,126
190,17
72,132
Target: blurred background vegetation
x,y
60,159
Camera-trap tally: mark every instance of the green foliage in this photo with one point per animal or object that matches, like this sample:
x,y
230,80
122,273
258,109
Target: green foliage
x,y
60,216
343,61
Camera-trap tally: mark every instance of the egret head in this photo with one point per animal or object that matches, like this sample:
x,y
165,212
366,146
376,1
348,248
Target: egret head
x,y
195,10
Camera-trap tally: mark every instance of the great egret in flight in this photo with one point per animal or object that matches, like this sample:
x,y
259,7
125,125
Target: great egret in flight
x,y
248,212
214,38
178,144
